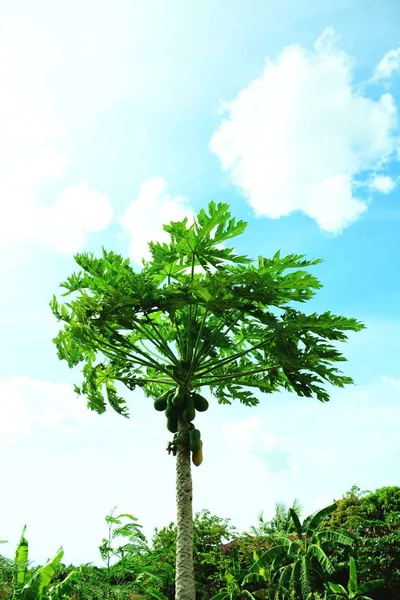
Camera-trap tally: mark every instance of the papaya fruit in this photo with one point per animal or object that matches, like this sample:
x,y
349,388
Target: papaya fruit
x,y
197,457
189,411
200,403
171,410
194,435
178,397
160,403
172,424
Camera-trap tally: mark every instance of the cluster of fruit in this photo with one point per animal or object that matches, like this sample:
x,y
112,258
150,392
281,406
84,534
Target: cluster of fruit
x,y
196,445
177,403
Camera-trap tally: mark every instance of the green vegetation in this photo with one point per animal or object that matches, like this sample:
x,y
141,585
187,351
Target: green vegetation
x,y
283,558
354,591
24,583
197,316
298,557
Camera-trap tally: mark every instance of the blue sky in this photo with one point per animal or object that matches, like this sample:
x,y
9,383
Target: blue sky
x,y
119,116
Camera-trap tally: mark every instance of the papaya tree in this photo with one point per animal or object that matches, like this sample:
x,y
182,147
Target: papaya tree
x,y
197,316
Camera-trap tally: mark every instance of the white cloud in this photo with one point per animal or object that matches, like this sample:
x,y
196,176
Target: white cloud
x,y
297,138
28,403
64,226
383,184
247,438
31,154
77,212
145,216
389,65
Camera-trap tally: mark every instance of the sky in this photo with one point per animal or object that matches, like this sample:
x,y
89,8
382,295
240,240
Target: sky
x,y
117,117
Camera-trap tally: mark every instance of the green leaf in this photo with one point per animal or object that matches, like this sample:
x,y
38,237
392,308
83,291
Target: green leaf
x,y
21,560
318,518
370,585
352,585
38,584
321,557
63,589
112,519
337,589
296,522
304,578
336,537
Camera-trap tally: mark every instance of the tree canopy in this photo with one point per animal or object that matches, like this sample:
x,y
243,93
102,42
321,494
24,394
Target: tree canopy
x,y
198,314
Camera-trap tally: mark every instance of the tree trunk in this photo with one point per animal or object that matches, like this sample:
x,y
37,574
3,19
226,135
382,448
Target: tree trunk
x,y
184,577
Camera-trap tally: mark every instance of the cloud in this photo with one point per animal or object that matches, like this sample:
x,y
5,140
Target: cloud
x,y
28,404
31,154
249,438
383,184
77,212
300,136
145,216
64,226
388,66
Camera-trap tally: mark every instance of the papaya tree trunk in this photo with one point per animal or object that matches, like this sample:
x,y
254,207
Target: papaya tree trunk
x,y
184,577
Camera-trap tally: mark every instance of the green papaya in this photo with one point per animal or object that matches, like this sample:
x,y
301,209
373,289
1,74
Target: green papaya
x,y
178,397
160,403
171,410
200,403
172,424
197,457
189,412
194,435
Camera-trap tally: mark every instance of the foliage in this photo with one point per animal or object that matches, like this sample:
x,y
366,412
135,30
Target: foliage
x,y
374,519
6,574
354,591
297,561
209,534
346,508
281,522
381,510
234,589
232,324
28,584
135,541
238,569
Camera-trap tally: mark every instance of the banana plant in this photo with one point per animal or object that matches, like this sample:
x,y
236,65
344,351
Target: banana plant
x,y
233,590
36,585
293,558
264,576
354,591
